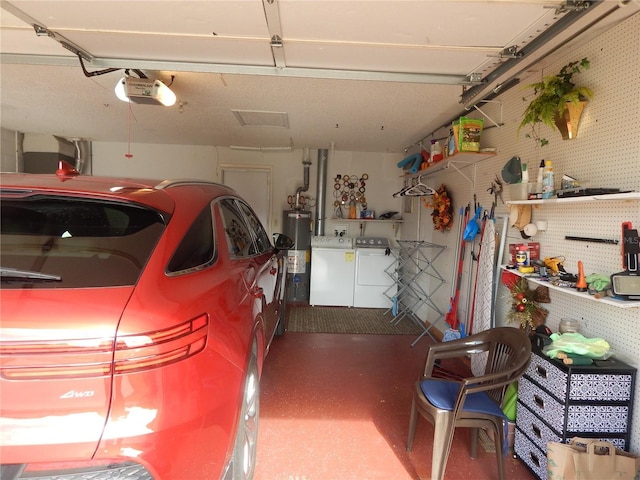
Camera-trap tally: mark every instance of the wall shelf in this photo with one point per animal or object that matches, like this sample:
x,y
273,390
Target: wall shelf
x,y
586,198
368,220
573,292
457,161
395,223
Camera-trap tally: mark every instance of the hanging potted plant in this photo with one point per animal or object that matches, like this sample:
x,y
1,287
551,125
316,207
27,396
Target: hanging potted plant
x,y
558,103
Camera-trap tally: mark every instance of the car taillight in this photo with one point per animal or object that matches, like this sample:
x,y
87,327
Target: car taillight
x,y
97,357
154,349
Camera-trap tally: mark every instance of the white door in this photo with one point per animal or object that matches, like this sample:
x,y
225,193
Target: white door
x,y
254,186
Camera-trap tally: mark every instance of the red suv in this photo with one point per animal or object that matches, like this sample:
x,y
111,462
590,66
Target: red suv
x,y
136,316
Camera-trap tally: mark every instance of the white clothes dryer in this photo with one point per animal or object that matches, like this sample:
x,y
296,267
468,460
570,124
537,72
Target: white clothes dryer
x,y
374,275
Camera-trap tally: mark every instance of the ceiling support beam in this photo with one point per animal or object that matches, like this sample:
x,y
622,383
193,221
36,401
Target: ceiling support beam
x,y
399,77
272,17
43,31
573,24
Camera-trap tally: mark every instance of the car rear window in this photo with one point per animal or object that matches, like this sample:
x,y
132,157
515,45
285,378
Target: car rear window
x,y
59,242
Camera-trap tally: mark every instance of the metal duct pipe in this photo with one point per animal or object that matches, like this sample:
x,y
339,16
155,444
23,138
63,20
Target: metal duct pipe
x,y
83,155
19,152
306,161
323,155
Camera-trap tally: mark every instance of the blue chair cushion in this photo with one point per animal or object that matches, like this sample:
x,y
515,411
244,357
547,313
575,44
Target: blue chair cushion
x,y
443,394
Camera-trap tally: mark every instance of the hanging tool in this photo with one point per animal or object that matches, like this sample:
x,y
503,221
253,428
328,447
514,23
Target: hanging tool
x,y
452,316
475,286
592,239
496,190
475,226
472,227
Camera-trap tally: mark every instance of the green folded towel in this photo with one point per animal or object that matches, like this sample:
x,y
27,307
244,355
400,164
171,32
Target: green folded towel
x,y
579,344
598,282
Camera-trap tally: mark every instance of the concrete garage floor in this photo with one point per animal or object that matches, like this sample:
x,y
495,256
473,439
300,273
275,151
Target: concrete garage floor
x,y
336,407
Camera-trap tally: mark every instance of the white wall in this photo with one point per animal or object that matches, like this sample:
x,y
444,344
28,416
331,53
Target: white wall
x,y
605,154
159,161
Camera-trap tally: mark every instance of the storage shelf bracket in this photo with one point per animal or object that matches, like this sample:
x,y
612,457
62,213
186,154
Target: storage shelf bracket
x,y
472,181
497,124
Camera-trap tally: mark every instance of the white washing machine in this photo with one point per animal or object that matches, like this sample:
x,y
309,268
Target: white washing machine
x,y
374,263
332,271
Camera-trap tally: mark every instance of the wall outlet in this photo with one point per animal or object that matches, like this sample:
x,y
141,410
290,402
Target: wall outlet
x,y
340,230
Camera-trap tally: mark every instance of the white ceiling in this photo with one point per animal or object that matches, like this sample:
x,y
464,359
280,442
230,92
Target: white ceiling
x,y
366,75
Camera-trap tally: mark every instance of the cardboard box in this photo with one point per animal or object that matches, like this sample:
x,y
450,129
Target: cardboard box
x,y
532,247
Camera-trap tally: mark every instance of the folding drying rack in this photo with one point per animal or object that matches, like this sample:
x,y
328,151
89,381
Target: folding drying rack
x,y
414,264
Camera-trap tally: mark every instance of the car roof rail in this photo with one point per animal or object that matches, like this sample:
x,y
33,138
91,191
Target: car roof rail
x,y
177,182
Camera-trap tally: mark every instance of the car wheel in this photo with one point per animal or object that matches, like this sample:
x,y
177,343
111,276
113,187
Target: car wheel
x,y
244,451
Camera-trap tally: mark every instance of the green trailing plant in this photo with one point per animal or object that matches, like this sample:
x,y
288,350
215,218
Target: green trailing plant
x,y
551,97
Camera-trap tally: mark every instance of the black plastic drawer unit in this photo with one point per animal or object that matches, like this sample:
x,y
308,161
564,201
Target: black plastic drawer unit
x,y
557,402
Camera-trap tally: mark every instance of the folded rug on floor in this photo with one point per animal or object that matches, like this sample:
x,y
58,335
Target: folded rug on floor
x,y
377,321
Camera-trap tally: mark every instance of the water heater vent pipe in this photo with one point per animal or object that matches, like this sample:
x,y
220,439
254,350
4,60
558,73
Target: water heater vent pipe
x,y
306,162
323,157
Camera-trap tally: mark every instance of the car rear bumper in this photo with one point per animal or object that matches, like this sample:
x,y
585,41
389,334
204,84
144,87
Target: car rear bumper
x,y
112,471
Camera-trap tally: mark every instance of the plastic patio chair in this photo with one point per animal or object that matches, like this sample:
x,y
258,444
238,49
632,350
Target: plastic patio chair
x,y
473,401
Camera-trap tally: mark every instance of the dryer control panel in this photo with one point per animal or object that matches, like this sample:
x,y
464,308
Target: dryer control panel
x,y
372,242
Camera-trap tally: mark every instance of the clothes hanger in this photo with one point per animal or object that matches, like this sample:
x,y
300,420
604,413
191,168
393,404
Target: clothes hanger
x,y
419,189
415,189
401,192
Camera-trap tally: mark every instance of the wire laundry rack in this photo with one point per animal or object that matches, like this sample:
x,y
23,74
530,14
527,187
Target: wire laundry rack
x,y
415,260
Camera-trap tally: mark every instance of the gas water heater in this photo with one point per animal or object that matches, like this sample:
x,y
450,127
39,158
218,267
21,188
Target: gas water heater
x,y
297,226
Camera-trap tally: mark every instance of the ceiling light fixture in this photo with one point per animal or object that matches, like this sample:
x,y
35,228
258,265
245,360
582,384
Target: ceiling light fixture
x,y
145,91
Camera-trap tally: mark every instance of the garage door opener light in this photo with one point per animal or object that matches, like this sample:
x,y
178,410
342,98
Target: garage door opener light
x,y
144,91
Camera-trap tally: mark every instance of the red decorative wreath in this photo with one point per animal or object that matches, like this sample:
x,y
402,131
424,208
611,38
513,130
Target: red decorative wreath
x,y
442,209
525,304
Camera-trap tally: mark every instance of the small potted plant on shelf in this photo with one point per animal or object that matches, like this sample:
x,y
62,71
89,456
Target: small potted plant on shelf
x,y
558,103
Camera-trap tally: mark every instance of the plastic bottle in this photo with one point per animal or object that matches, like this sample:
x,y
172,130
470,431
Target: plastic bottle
x,y
352,209
547,179
525,173
452,144
436,151
539,179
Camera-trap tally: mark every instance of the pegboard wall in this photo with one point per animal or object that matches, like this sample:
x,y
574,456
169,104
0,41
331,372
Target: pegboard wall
x,y
606,153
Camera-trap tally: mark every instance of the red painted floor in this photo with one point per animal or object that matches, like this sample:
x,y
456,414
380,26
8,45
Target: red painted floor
x,y
336,407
